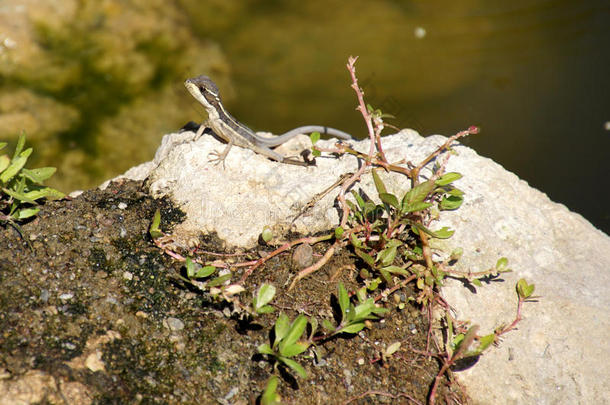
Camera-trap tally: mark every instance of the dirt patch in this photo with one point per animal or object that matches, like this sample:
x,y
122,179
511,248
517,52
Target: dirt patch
x,y
94,312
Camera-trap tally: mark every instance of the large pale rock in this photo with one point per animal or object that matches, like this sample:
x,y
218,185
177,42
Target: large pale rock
x,y
559,354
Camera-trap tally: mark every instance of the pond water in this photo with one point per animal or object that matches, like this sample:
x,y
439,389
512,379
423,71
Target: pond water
x,y
532,74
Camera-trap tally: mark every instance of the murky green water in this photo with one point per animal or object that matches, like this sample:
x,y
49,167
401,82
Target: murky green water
x,y
534,75
96,84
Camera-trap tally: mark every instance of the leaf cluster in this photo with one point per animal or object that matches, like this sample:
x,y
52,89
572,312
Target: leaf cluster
x,y
21,189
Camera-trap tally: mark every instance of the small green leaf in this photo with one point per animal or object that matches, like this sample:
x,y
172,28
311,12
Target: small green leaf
x,y
343,299
387,255
451,203
378,183
27,212
338,232
190,267
417,193
19,146
39,175
448,178
315,137
524,290
293,350
396,270
477,282
282,326
18,196
264,296
368,259
4,162
355,241
485,342
389,199
267,309
295,366
205,271
358,199
3,145
501,264
219,280
154,230
417,206
267,234
269,396
316,152
353,328
326,324
443,233
14,168
265,349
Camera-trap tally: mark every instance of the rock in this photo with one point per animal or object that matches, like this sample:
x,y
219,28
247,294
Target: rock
x,y
557,354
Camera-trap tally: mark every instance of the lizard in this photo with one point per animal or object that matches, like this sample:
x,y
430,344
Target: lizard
x,y
204,90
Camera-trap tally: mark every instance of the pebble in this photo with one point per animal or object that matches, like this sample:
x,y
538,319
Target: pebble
x,y
174,323
66,296
122,205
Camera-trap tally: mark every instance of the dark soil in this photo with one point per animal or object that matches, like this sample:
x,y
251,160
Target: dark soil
x,y
91,311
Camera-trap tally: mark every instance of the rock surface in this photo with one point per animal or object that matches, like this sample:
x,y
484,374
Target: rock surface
x,y
559,354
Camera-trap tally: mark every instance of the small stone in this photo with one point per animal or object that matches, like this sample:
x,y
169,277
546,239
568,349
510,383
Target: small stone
x,y
174,324
122,205
66,296
127,275
303,256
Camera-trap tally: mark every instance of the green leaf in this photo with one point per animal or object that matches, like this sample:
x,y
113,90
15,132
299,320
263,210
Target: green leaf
x,y
443,233
396,270
417,206
264,296
524,290
154,230
326,324
417,193
4,162
343,299
451,203
378,183
387,255
3,145
14,168
27,212
269,396
485,342
18,196
315,137
358,199
267,309
448,178
353,328
190,267
219,280
267,234
39,175
477,282
19,146
265,349
338,232
355,241
389,199
45,192
316,152
501,264
205,271
293,350
295,366
368,259
282,326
